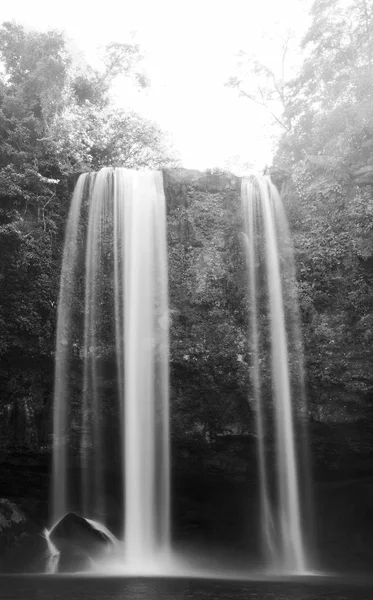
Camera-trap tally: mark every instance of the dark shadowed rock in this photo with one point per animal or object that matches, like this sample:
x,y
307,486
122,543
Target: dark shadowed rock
x,y
180,185
78,542
22,548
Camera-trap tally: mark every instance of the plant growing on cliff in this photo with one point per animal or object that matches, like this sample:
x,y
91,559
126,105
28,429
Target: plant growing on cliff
x,y
324,168
56,119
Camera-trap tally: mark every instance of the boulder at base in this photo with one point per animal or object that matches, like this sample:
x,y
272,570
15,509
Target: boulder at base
x,y
79,542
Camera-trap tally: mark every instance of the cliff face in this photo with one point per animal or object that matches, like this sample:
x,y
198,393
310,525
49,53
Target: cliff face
x,y
213,441
207,303
207,277
210,384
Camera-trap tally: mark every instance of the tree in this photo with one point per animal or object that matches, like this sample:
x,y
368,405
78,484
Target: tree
x,y
56,120
324,165
130,140
324,168
266,84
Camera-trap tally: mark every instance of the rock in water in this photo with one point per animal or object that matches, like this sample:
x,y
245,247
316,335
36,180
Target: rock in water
x,y
79,543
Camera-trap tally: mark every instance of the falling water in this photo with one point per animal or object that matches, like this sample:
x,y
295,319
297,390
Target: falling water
x,y
64,324
266,235
113,309
125,304
145,366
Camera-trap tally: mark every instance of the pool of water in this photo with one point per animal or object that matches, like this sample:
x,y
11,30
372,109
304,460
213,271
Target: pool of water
x,y
66,587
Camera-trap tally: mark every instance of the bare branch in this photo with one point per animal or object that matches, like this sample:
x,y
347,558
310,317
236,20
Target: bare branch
x,y
265,104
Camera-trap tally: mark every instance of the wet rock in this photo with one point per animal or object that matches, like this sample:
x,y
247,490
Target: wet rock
x,y
79,542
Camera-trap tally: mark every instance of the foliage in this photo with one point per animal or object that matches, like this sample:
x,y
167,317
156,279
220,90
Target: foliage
x,y
266,84
209,375
324,167
331,214
129,140
56,119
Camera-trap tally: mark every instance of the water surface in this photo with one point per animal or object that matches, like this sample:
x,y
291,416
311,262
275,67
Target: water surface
x,y
56,587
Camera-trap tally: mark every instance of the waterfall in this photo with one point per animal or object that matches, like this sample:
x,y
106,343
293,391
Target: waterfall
x,y
111,395
123,313
275,330
63,353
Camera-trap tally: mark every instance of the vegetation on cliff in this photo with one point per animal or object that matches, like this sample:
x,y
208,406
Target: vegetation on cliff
x,y
57,119
324,169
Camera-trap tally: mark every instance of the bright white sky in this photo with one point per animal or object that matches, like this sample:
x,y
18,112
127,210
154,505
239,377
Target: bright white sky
x,y
190,47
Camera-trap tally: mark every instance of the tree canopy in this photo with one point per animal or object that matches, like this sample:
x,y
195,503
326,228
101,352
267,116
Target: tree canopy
x,y
56,120
324,167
